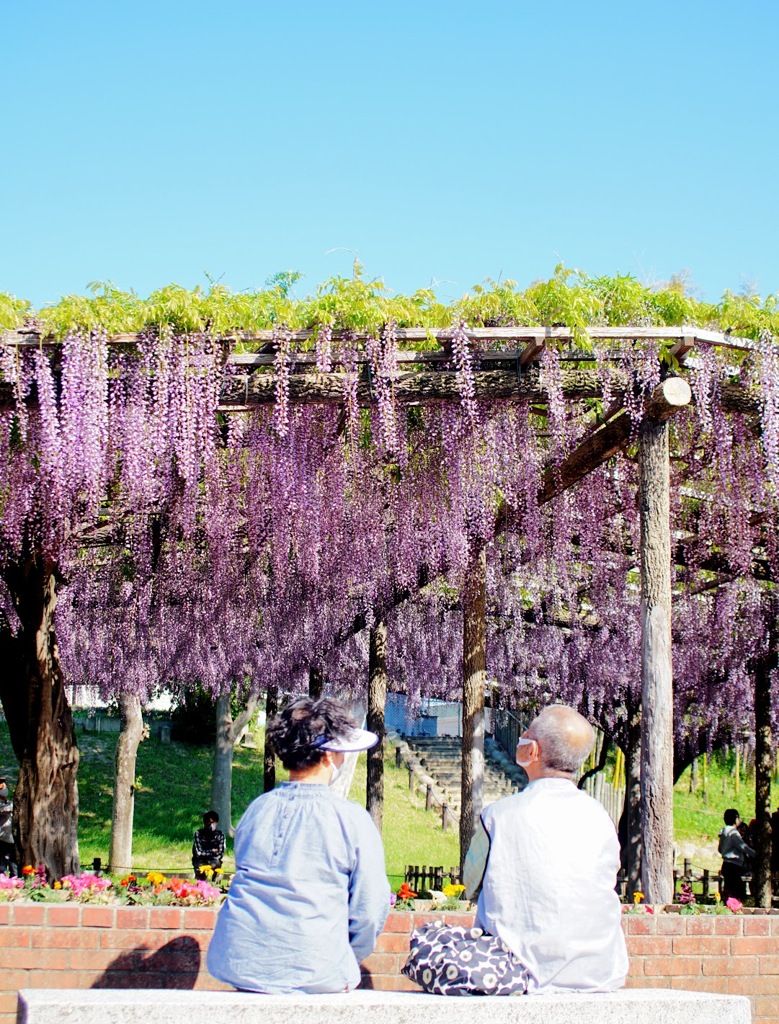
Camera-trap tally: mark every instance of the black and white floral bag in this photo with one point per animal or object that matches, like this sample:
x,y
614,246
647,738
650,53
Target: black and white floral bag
x,y
449,960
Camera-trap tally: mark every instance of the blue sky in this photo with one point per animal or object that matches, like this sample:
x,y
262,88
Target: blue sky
x,y
149,142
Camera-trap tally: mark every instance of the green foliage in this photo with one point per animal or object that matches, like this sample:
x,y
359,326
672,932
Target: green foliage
x,y
363,304
12,311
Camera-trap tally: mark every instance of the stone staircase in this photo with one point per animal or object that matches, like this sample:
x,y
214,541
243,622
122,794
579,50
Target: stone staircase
x,y
441,758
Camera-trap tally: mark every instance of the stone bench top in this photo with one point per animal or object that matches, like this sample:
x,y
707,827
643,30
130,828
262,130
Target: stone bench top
x,y
174,1006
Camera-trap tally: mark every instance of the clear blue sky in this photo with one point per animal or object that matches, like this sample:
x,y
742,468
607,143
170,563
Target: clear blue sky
x,y
149,142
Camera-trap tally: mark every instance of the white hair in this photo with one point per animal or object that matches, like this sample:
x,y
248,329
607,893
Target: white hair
x,y
564,737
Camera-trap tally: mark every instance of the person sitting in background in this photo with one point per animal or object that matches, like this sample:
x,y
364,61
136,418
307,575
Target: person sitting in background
x,y
735,853
544,862
310,896
208,846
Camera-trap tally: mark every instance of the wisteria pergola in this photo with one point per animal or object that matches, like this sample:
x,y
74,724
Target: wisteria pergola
x,y
620,392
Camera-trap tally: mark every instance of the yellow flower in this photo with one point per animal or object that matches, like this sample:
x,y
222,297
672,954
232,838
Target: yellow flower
x,y
58,885
637,897
452,890
155,877
717,897
207,870
219,871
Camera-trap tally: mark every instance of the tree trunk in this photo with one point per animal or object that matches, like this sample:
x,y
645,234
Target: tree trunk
x,y
120,856
764,765
377,700
631,824
315,682
40,723
474,679
222,771
228,734
656,667
269,761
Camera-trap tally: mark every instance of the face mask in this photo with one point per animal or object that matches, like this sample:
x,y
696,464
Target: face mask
x,y
337,773
524,743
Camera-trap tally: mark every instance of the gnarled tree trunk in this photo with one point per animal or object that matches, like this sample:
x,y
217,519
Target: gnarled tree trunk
x,y
40,723
120,856
377,700
269,760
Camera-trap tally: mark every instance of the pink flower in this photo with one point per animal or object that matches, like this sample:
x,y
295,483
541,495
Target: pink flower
x,y
733,904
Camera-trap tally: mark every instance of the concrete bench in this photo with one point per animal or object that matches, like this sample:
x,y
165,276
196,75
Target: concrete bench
x,y
171,1006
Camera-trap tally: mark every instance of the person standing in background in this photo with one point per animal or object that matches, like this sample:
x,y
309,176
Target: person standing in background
x,y
8,864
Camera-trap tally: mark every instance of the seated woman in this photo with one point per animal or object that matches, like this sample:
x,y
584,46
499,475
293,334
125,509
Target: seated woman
x,y
310,895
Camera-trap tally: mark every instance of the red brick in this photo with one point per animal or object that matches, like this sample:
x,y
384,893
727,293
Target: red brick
x,y
756,924
28,915
12,980
5,914
91,959
132,917
97,917
764,1009
725,925
716,966
644,982
124,938
35,959
774,922
766,986
200,918
768,965
16,937
634,925
667,966
205,983
392,942
8,1001
165,917
60,938
383,963
705,945
56,979
700,984
398,921
703,925
62,917
744,946
650,945
396,983
462,920
670,924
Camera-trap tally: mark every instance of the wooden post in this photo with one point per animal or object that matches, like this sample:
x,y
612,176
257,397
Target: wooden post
x,y
429,797
398,756
474,680
656,666
764,765
377,700
410,779
445,818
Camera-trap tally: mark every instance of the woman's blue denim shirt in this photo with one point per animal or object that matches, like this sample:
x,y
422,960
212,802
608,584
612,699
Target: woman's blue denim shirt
x,y
309,898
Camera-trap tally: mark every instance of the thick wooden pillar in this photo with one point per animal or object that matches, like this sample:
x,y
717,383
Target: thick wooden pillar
x,y
120,854
657,778
377,700
474,680
764,766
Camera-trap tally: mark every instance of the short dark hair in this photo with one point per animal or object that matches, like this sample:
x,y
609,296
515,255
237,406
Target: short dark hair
x,y
731,816
296,732
210,816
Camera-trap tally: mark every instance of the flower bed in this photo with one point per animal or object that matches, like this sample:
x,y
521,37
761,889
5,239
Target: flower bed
x,y
153,889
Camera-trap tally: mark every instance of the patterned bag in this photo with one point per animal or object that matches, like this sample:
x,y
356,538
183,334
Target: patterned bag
x,y
449,960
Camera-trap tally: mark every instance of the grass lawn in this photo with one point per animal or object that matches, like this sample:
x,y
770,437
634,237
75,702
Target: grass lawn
x,y
174,789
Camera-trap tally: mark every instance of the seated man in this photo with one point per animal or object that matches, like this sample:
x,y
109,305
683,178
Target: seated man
x,y
208,846
546,862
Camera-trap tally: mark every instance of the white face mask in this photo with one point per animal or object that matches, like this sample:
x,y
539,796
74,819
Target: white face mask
x,y
337,772
524,743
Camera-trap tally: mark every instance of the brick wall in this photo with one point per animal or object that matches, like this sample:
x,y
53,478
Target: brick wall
x,y
82,946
